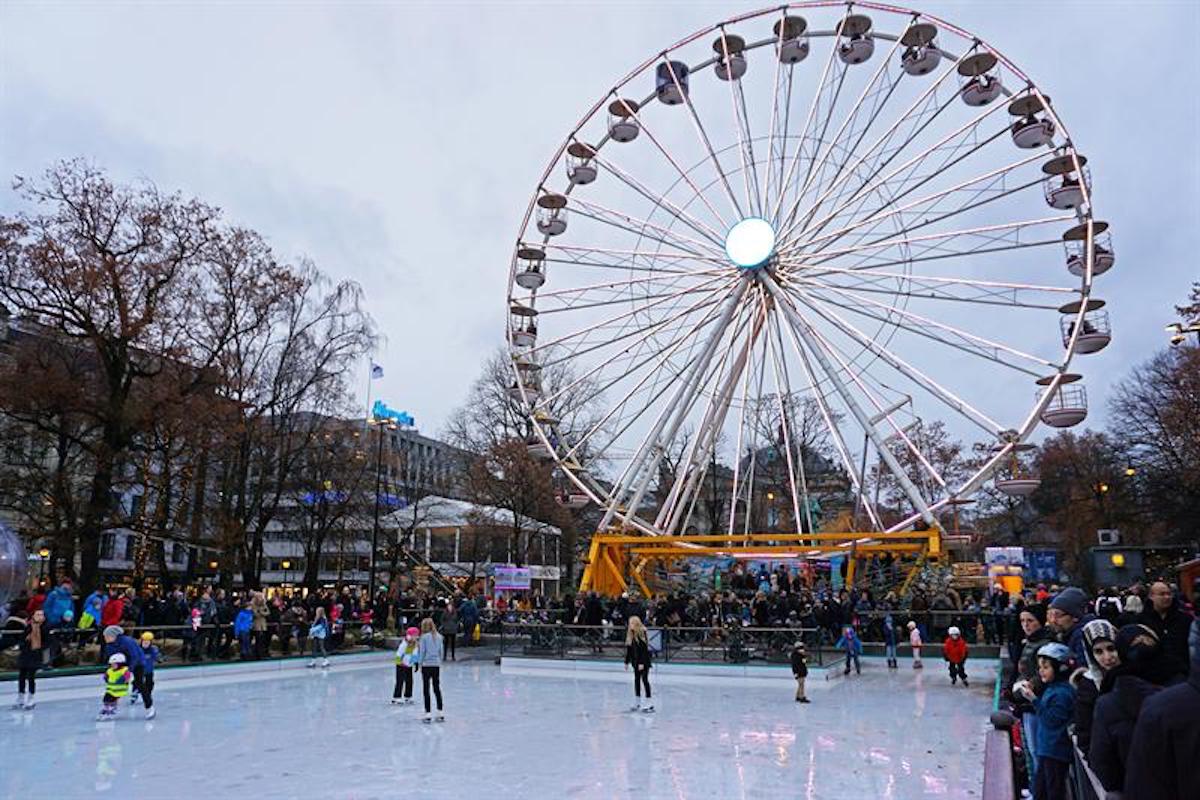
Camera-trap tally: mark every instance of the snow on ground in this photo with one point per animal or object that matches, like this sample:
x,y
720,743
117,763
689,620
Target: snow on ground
x,y
332,734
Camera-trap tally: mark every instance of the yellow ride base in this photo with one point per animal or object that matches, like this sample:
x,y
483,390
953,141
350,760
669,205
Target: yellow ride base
x,y
615,561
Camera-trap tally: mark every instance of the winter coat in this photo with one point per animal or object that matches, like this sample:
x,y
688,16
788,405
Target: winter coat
x,y
1027,664
1172,633
1166,742
150,657
799,665
59,602
244,622
1113,722
29,658
852,644
408,654
1054,708
258,608
637,653
112,612
914,638
319,629
429,650
954,650
128,647
468,613
449,625
1086,695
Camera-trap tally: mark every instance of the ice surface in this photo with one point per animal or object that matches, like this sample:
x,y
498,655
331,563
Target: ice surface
x,y
902,734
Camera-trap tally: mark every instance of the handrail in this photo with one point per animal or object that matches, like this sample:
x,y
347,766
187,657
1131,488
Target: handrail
x,y
999,781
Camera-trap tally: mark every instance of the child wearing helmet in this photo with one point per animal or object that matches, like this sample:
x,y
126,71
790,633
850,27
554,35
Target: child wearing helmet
x,y
150,657
117,679
408,660
954,650
914,640
1054,708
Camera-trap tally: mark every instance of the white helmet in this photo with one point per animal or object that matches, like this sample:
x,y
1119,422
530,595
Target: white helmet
x,y
954,631
116,658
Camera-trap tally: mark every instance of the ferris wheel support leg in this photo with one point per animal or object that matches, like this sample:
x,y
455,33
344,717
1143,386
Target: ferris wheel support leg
x,y
641,470
802,329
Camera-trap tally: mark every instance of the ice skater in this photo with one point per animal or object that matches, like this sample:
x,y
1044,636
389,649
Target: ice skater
x,y
954,650
637,655
408,658
35,641
318,632
430,650
853,645
117,680
151,655
889,641
914,640
800,670
116,641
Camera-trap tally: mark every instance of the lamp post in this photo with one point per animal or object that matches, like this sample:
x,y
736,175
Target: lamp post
x,y
380,424
45,554
286,566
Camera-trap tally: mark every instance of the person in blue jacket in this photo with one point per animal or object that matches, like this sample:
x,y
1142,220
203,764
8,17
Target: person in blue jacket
x,y
853,645
150,658
116,641
242,626
1055,708
468,616
59,605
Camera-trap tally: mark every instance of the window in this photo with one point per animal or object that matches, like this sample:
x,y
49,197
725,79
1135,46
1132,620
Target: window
x,y
178,553
130,546
108,543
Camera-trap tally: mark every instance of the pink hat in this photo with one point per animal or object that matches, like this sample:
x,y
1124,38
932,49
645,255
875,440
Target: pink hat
x,y
195,612
411,632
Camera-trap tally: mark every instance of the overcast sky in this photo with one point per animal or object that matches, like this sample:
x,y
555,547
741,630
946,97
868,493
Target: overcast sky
x,y
398,144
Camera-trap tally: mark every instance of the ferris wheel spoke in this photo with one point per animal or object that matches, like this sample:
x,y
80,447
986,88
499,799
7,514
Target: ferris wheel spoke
x,y
922,289
660,198
638,227
829,416
804,331
712,420
702,134
816,166
671,279
976,345
812,111
742,124
613,320
920,105
903,367
637,478
765,188
990,233
870,275
782,390
913,206
873,181
629,255
883,413
663,360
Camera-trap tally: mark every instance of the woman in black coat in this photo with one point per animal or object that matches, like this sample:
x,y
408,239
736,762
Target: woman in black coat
x,y
637,655
34,644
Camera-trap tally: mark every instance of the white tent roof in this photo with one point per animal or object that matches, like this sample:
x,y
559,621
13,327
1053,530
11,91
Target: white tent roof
x,y
445,512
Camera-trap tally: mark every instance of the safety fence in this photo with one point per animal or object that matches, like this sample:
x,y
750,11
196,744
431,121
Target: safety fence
x,y
737,645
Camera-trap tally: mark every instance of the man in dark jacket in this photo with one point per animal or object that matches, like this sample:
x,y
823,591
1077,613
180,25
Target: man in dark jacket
x,y
1166,740
1067,614
1166,619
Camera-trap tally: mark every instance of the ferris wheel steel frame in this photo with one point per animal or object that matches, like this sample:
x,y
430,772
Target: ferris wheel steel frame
x,y
752,308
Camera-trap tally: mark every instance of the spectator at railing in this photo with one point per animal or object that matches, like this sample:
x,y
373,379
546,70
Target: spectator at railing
x,y
1166,740
1167,621
1100,642
1067,614
1143,672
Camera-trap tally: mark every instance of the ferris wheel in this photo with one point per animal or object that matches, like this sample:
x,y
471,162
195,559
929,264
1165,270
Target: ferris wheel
x,y
772,252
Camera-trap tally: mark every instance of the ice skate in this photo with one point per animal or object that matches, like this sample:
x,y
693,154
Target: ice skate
x,y
441,717
648,709
325,663
804,700
953,681
17,706
965,684
636,706
30,703
396,701
428,718
312,663
106,715
151,713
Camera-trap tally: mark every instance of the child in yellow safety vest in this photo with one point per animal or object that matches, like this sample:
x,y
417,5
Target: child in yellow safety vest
x,y
117,680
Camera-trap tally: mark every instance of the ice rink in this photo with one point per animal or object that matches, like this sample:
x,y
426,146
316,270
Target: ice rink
x,y
333,735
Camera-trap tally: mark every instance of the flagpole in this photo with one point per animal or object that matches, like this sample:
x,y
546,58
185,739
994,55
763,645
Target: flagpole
x,y
370,377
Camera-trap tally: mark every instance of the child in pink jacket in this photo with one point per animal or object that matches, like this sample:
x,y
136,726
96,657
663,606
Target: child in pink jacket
x,y
914,639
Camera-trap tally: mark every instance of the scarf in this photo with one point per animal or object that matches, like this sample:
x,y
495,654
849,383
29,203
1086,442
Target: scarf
x,y
35,636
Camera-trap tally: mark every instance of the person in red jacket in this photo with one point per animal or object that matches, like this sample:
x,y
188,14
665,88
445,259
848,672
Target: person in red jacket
x,y
954,650
113,609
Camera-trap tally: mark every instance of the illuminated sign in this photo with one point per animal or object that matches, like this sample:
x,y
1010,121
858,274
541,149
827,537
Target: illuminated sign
x,y
381,411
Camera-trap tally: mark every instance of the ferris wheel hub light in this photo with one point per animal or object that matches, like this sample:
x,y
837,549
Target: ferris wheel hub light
x,y
750,242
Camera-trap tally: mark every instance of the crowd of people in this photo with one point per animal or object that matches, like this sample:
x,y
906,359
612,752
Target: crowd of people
x,y
1116,676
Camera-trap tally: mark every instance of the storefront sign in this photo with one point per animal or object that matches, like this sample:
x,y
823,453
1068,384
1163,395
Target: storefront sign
x,y
511,579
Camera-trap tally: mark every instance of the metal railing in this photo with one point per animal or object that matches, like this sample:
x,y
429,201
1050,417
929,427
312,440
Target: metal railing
x,y
737,645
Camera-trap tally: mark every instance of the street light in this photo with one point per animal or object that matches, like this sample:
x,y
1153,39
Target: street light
x,y
286,566
44,553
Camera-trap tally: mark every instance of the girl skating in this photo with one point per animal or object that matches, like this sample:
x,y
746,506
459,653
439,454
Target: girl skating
x,y
33,646
637,655
430,652
914,640
954,650
408,657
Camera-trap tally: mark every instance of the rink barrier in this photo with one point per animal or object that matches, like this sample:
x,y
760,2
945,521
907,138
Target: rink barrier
x,y
669,673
